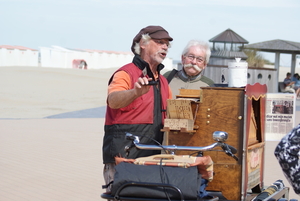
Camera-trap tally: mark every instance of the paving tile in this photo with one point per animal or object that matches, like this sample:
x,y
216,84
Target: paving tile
x,y
60,159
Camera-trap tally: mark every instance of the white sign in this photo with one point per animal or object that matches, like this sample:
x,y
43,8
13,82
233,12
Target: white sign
x,y
280,115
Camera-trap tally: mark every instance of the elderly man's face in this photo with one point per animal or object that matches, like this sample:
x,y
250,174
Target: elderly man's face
x,y
155,51
194,61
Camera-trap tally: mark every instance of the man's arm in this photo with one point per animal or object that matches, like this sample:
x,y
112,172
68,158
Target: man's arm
x,y
289,83
119,99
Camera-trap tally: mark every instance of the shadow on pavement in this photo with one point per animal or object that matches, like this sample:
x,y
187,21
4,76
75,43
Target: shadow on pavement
x,y
98,112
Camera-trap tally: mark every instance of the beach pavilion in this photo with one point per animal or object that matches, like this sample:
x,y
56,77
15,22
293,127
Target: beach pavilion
x,y
278,46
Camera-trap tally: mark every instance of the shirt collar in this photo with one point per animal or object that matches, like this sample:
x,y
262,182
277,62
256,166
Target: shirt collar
x,y
144,66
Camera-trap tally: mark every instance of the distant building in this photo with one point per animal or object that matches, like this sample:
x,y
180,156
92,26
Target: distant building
x,y
226,47
60,57
18,56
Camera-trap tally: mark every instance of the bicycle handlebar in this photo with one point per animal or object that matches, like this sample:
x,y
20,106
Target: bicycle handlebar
x,y
218,136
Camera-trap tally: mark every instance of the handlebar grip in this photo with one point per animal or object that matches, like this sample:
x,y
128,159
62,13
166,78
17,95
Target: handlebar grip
x,y
129,136
232,149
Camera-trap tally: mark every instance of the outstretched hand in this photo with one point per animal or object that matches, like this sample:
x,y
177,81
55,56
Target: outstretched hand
x,y
141,86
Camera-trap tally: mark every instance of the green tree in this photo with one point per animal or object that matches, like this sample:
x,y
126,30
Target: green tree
x,y
255,59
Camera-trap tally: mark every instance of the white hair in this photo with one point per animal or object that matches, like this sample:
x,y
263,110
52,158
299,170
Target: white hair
x,y
201,44
145,39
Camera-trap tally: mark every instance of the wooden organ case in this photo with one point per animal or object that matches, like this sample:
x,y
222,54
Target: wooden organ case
x,y
241,113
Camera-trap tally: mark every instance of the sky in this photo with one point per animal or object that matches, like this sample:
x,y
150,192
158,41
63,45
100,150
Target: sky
x,y
112,24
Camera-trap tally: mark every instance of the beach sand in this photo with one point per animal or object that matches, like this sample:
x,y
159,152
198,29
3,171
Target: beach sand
x,y
44,158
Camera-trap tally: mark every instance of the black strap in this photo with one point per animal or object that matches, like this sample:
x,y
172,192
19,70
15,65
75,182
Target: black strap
x,y
171,75
107,185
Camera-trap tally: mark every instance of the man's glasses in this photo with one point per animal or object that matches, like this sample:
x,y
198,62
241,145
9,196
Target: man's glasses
x,y
162,42
200,60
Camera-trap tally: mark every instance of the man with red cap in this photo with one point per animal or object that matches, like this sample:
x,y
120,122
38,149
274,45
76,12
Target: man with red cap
x,y
137,99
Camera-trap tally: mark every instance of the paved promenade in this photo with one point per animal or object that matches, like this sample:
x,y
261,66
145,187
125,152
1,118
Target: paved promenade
x,y
51,159
59,158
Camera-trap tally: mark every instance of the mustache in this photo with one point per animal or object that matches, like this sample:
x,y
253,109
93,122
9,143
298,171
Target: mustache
x,y
192,66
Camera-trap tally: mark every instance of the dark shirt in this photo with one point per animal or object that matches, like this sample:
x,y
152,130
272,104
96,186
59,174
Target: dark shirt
x,y
287,153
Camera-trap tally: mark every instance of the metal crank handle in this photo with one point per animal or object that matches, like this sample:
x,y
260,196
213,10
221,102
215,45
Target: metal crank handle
x,y
152,82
